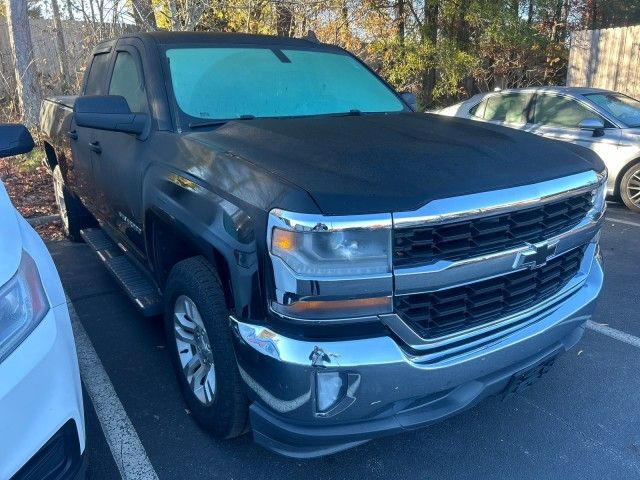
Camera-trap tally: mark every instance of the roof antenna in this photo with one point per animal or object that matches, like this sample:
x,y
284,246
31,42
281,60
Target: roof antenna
x,y
311,37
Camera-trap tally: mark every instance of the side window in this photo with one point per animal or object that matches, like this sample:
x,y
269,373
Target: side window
x,y
508,108
127,81
557,111
97,74
478,110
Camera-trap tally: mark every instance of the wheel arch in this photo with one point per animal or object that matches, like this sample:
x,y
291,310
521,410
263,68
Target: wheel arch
x,y
169,242
50,156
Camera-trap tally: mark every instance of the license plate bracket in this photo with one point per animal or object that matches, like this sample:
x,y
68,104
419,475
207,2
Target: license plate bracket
x,y
526,377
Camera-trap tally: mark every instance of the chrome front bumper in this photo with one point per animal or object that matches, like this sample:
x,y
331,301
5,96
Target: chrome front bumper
x,y
389,387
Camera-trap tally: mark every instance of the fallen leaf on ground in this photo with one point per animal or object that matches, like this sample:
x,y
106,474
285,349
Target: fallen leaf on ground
x,y
31,191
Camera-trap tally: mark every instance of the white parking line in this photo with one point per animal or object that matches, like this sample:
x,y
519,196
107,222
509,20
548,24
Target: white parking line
x,y
126,448
619,220
613,333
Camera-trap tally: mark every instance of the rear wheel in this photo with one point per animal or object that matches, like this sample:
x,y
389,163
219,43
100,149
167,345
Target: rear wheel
x,y
630,188
73,214
199,340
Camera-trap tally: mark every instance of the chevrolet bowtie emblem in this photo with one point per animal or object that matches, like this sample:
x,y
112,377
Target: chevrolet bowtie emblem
x,y
536,256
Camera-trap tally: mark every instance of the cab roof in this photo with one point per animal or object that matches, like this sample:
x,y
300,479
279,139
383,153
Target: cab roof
x,y
219,38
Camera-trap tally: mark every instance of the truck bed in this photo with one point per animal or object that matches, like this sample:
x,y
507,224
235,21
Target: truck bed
x,y
63,100
55,121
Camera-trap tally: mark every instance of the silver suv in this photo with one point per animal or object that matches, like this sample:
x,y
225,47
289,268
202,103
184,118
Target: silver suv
x,y
604,121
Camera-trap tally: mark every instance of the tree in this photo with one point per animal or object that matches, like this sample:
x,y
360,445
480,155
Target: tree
x,y
62,63
442,50
25,72
284,19
143,14
181,15
429,34
69,9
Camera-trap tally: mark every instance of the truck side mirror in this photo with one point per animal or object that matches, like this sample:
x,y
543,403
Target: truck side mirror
x,y
592,124
108,112
411,100
14,139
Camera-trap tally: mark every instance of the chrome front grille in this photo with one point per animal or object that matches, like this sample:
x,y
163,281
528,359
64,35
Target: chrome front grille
x,y
424,244
465,268
445,312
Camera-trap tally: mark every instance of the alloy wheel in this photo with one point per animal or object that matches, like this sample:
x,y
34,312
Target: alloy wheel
x,y
194,350
633,188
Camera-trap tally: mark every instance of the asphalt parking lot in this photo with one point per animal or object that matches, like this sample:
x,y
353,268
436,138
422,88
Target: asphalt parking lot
x,y
581,421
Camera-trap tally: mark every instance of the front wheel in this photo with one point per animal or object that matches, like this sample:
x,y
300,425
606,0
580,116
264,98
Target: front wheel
x,y
630,188
200,344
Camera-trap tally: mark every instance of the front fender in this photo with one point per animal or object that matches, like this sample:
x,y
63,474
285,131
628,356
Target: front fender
x,y
220,203
216,228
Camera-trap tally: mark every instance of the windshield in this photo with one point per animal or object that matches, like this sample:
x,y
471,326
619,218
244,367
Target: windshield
x,y
229,83
624,108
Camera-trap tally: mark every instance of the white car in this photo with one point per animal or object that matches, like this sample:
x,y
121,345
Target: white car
x,y
604,121
42,430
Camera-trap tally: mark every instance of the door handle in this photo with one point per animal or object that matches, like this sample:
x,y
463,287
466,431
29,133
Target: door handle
x,y
95,146
72,134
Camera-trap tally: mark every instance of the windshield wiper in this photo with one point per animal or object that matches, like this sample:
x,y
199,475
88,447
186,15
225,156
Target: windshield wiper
x,y
214,123
354,112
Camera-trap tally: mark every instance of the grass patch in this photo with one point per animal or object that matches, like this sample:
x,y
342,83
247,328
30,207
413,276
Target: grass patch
x,y
29,162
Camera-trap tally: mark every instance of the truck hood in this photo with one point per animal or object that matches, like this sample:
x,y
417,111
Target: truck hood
x,y
396,162
10,238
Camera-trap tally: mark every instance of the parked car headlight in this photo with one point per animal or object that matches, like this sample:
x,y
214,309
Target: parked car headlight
x,y
23,304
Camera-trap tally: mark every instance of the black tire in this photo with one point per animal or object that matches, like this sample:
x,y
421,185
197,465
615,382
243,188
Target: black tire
x,y
197,279
73,214
630,188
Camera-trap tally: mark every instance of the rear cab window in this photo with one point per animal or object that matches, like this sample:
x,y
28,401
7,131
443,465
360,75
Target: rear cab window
x,y
127,81
96,77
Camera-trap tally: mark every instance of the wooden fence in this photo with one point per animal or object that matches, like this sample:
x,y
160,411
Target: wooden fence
x,y
608,58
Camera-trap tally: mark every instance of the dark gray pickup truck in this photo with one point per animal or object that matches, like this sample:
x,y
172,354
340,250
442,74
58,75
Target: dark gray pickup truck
x,y
331,266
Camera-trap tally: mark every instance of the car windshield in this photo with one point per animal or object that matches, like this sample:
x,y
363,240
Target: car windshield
x,y
625,109
229,83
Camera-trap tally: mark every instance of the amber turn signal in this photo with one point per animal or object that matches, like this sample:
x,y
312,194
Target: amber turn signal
x,y
282,240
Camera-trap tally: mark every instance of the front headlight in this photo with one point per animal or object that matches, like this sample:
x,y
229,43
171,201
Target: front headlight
x,y
23,304
333,246
333,254
330,267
